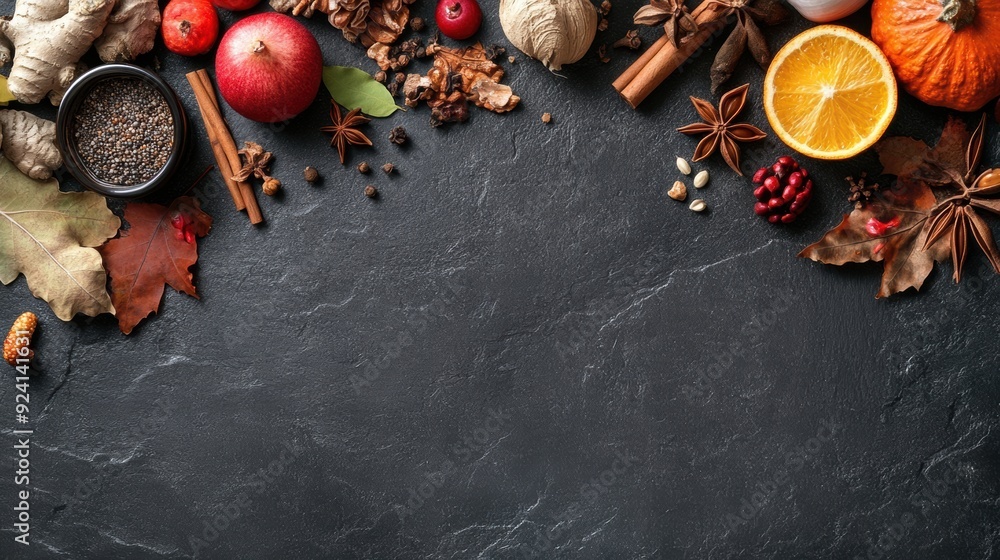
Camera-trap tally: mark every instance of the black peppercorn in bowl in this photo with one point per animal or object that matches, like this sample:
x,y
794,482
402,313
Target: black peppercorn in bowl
x,y
121,130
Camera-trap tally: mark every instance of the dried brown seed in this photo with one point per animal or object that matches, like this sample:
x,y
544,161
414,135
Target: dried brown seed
x,y
311,174
380,77
678,191
399,78
546,118
388,168
371,191
15,346
511,59
417,24
603,24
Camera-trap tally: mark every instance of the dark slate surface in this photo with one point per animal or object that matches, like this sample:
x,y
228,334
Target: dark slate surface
x,y
561,361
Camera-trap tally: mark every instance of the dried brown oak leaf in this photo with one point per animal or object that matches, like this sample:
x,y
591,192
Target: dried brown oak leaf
x,y
721,132
459,76
159,248
925,217
51,238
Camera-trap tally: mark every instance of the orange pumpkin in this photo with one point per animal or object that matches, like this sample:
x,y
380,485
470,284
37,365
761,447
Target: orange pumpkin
x,y
944,52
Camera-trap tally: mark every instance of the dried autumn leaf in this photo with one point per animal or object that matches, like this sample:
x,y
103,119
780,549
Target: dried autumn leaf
x,y
49,236
888,233
159,248
913,161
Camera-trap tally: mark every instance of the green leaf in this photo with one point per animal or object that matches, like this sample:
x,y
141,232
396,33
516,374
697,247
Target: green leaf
x,y
5,95
355,88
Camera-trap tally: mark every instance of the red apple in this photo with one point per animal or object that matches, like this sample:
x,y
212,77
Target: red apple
x,y
268,67
235,5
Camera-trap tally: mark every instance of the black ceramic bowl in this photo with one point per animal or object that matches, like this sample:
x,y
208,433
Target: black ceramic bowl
x,y
71,102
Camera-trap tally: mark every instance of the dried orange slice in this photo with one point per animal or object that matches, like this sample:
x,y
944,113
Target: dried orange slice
x,y
829,93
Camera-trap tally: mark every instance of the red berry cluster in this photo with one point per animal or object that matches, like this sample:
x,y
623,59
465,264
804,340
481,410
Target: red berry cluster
x,y
783,191
184,226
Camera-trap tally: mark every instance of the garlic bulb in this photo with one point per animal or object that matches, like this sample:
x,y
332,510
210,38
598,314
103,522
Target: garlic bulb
x,y
556,32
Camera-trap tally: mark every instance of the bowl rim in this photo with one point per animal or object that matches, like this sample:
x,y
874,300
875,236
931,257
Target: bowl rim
x,y
69,106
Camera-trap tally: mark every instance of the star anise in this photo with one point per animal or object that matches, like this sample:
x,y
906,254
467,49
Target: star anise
x,y
345,130
956,216
746,33
722,132
673,14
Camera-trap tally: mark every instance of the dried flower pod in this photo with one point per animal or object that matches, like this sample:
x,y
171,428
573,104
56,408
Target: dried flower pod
x,y
371,191
380,77
388,168
417,24
363,167
555,33
15,346
398,136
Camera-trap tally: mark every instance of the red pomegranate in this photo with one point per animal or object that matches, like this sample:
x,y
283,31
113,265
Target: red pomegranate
x,y
269,67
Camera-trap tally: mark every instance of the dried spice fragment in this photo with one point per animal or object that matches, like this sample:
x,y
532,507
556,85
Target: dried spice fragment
x,y
457,77
631,40
861,192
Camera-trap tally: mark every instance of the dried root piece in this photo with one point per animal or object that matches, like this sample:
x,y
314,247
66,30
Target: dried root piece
x,y
46,41
457,77
131,30
15,346
46,38
29,142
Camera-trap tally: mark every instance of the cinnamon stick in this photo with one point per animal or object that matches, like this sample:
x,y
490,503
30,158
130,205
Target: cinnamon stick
x,y
650,70
223,146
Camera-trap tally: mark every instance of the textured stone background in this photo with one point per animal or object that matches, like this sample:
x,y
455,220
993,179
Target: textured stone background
x,y
563,362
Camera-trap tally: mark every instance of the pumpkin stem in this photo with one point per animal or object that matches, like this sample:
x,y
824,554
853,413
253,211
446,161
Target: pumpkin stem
x,y
957,13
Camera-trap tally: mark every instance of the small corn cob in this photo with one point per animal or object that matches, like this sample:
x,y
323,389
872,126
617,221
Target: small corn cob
x,y
24,328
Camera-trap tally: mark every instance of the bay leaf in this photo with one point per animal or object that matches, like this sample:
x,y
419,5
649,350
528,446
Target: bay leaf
x,y
354,88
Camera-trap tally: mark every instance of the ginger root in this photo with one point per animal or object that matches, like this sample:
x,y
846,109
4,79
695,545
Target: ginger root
x,y
131,30
46,38
29,142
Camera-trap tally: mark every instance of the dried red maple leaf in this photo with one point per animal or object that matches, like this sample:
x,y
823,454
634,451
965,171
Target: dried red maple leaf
x,y
159,248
